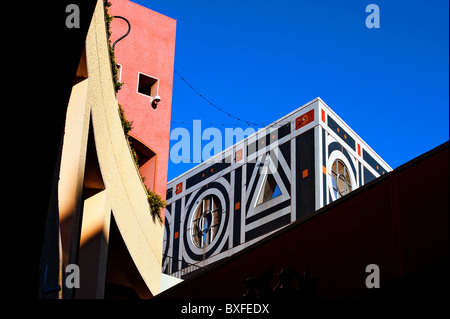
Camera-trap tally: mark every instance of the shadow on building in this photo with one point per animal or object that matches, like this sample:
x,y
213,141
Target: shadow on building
x,y
399,222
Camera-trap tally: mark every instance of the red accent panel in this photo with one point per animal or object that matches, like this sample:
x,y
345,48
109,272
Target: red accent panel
x,y
179,188
304,119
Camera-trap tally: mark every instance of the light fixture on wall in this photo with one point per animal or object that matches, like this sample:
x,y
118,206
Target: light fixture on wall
x,y
155,101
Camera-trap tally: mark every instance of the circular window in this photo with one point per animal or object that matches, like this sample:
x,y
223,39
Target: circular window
x,y
206,220
341,181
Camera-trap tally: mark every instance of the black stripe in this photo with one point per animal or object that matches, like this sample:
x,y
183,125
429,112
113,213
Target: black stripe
x,y
250,168
252,191
227,177
360,174
324,188
373,163
305,187
324,164
251,148
268,227
285,149
333,147
169,193
176,241
237,212
282,173
267,139
268,211
341,133
368,176
166,245
206,173
346,154
284,130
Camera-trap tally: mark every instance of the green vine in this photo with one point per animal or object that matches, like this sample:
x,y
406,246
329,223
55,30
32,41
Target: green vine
x,y
114,68
127,125
156,204
155,201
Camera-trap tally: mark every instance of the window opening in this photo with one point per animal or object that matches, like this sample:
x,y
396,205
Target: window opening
x,y
341,182
147,85
206,221
269,190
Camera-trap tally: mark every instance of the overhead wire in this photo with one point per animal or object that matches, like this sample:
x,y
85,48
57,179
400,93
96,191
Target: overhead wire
x,y
275,124
219,108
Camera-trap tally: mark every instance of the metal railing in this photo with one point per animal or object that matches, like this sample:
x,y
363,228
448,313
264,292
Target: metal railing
x,y
179,271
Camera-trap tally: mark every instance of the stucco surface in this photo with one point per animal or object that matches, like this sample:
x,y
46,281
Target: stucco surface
x,y
125,193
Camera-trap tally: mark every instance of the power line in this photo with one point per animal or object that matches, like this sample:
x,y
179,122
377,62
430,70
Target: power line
x,y
191,122
215,105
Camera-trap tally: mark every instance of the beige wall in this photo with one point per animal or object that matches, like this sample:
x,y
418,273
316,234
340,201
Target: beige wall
x,y
93,104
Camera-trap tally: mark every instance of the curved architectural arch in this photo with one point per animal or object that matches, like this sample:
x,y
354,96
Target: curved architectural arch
x,y
103,216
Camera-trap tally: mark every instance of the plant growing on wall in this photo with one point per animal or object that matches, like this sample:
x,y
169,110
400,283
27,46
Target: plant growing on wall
x,y
127,125
114,68
155,201
135,157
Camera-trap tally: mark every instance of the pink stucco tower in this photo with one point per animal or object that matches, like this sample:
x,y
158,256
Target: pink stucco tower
x,y
146,58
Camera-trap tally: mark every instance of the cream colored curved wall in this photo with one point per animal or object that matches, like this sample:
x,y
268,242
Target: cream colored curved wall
x,y
125,193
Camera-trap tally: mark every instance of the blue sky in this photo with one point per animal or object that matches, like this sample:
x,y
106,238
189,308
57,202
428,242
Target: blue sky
x,y
260,60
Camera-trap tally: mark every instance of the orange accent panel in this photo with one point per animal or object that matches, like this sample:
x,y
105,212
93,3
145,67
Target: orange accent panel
x,y
324,169
238,155
237,205
179,188
359,150
176,235
305,173
323,116
304,119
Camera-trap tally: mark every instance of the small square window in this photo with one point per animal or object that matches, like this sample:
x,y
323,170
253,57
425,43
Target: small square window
x,y
147,85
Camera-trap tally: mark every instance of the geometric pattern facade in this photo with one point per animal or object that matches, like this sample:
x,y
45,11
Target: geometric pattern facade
x,y
298,151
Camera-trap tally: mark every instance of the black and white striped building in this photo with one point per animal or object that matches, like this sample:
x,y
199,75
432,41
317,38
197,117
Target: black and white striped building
x,y
298,164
